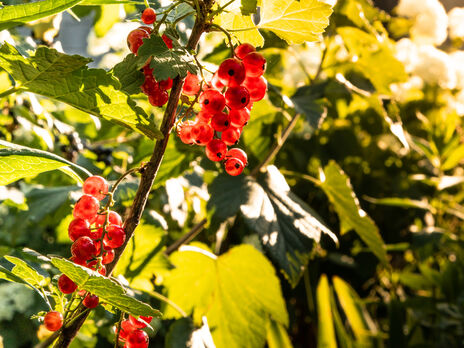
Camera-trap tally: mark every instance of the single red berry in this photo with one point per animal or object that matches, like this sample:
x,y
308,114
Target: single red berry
x,y
231,72
158,97
137,339
166,84
231,135
113,218
148,16
96,186
204,116
216,82
242,50
108,256
114,237
239,118
135,39
237,97
239,154
202,133
255,64
167,41
191,85
184,131
86,208
149,85
220,122
91,301
84,248
234,166
78,261
256,86
139,324
53,321
78,228
216,150
126,329
212,101
66,285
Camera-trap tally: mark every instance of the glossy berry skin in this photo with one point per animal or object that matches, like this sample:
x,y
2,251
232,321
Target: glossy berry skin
x,y
137,339
242,50
231,135
138,323
126,329
113,218
114,237
220,122
78,228
216,82
234,166
239,154
255,64
108,256
53,320
239,118
212,101
204,116
184,132
231,72
202,133
158,97
166,84
86,208
237,97
84,248
66,285
191,85
149,85
135,39
91,301
257,87
148,16
95,186
78,261
167,41
216,150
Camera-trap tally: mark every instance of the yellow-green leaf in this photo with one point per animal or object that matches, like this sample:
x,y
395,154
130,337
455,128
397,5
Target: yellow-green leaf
x,y
236,21
325,333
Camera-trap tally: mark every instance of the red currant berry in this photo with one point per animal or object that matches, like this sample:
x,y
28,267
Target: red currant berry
x,y
91,301
212,101
231,72
139,324
148,16
256,86
242,50
234,166
239,118
204,116
83,248
135,39
78,261
184,131
53,321
239,154
149,85
216,150
167,40
191,84
86,208
126,329
237,97
166,84
78,228
255,64
137,339
114,237
202,133
216,82
220,122
231,135
108,256
158,97
113,218
96,186
66,285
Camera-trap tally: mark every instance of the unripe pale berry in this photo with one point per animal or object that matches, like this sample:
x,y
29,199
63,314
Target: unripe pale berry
x,y
86,208
95,186
216,150
66,285
53,321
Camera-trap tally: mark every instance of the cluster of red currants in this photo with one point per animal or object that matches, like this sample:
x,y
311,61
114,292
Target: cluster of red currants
x,y
131,333
157,91
225,103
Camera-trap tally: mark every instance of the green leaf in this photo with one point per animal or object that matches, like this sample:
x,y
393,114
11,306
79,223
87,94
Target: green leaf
x,y
107,16
45,201
237,291
109,2
295,21
10,276
455,157
166,63
67,79
13,15
401,202
248,7
277,336
360,322
325,331
26,273
337,187
129,76
17,162
108,290
308,101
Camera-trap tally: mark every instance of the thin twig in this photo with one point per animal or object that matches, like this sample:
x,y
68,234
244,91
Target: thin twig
x,y
226,33
169,302
186,238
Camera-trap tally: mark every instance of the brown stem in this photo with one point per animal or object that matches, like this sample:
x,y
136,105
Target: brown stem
x,y
186,238
149,171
